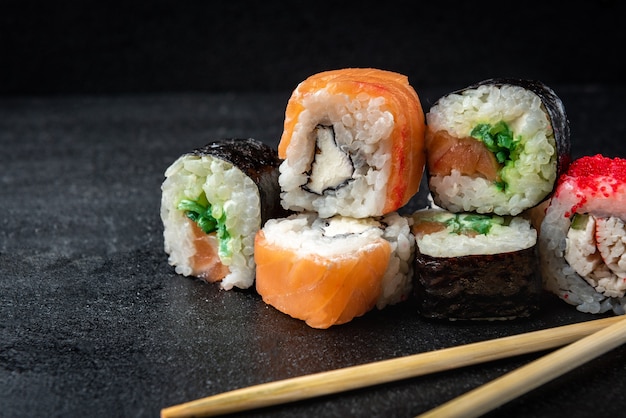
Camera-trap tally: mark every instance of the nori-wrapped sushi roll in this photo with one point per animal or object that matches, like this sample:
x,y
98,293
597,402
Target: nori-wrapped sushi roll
x,y
497,146
213,202
475,266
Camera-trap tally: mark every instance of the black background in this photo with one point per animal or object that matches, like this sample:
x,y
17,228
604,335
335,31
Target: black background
x,y
110,47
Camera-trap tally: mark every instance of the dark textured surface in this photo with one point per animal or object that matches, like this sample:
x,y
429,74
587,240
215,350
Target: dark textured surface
x,y
93,321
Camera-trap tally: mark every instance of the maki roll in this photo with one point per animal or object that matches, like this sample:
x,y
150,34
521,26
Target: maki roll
x,y
583,236
352,144
475,266
328,271
496,147
213,202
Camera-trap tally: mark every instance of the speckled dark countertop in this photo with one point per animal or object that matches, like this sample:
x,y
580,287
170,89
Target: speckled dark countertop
x,y
94,322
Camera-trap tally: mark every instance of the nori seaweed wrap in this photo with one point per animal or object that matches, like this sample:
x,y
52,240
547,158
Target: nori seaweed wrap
x,y
497,146
475,266
213,202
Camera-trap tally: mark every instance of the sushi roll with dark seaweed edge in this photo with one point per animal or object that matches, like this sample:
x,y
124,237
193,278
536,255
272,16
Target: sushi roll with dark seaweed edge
x,y
213,202
352,144
497,146
471,266
582,244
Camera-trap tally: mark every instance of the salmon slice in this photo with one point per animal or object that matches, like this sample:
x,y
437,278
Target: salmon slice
x,y
401,100
321,290
467,155
206,263
422,228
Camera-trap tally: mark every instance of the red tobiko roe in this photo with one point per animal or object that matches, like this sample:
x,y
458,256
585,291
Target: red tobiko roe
x,y
586,169
586,173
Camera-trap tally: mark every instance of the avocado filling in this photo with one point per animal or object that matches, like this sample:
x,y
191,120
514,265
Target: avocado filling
x,y
472,223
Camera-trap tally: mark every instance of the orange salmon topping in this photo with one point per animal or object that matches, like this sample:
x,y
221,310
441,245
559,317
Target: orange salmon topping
x,y
401,99
467,155
322,291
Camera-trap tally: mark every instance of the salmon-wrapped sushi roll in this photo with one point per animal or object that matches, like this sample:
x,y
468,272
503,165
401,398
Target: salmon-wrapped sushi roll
x,y
582,241
328,271
213,202
352,144
496,147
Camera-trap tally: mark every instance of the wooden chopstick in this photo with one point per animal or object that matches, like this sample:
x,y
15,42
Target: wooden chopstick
x,y
501,390
354,377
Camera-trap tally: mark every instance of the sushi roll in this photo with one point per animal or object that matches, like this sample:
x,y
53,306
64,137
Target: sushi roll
x,y
471,266
496,147
352,144
583,236
328,271
213,202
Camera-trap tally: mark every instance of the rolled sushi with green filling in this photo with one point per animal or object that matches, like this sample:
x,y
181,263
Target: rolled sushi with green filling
x,y
496,147
472,266
213,202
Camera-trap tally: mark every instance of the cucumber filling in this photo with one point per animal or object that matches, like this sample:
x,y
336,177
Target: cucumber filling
x,y
500,141
200,211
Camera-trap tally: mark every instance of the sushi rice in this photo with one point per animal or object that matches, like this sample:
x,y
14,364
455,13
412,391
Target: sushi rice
x,y
352,144
232,194
360,126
